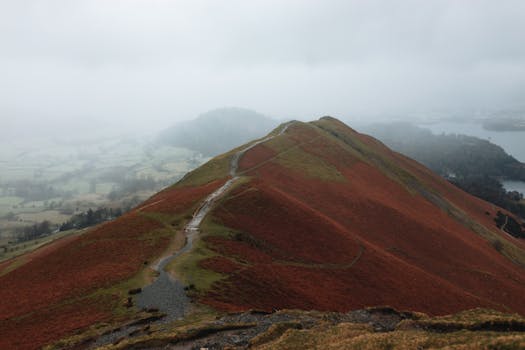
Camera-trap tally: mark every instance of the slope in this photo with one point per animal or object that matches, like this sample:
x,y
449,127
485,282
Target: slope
x,y
319,217
329,219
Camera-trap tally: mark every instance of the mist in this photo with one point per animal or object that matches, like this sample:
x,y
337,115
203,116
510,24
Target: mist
x,y
142,65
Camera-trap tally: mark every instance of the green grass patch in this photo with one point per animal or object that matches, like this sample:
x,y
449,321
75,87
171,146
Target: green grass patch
x,y
216,168
187,268
278,144
211,227
171,221
309,164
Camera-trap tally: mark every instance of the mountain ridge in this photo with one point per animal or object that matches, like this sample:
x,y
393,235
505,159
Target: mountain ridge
x,y
456,211
322,218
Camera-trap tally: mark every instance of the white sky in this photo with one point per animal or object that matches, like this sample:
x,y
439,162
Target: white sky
x,y
146,64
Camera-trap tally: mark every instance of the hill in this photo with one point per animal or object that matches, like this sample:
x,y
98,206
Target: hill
x,y
315,216
475,165
449,154
217,131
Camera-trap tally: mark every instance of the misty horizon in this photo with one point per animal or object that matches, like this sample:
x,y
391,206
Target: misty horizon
x,y
145,65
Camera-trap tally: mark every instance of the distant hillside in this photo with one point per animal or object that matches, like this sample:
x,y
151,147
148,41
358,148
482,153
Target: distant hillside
x,y
473,164
217,131
449,154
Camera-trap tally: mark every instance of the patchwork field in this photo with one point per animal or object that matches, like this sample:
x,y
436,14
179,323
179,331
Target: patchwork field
x,y
53,180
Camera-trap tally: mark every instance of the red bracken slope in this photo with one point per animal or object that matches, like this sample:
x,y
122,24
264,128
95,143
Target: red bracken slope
x,y
323,218
333,220
56,290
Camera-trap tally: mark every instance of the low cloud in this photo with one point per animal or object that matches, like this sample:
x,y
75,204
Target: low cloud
x,y
148,63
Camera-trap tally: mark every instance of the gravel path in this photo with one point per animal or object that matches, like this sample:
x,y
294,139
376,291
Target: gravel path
x,y
166,294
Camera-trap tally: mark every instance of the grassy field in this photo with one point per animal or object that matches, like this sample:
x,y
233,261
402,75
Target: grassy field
x,y
9,204
82,173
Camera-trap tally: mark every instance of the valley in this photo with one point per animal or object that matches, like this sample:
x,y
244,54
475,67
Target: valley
x,y
56,180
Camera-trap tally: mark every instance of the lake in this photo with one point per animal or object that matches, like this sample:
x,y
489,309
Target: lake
x,y
513,142
514,186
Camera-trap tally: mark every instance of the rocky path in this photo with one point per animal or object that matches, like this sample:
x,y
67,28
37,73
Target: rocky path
x,y
248,329
166,293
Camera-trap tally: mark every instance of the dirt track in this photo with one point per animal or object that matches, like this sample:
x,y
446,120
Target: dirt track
x,y
166,293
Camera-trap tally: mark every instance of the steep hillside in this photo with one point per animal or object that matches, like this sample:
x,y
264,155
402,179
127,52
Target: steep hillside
x,y
475,165
331,219
315,216
218,130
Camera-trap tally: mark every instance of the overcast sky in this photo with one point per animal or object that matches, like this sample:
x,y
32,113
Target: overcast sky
x,y
149,63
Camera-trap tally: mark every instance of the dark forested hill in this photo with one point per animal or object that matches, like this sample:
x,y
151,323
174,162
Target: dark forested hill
x,y
218,130
452,155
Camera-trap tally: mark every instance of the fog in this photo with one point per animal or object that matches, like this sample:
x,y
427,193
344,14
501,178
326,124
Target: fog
x,y
142,65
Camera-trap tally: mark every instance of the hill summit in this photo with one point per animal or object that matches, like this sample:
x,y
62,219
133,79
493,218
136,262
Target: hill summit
x,y
314,216
330,219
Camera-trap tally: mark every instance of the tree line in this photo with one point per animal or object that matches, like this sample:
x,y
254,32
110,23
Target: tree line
x,y
78,221
90,218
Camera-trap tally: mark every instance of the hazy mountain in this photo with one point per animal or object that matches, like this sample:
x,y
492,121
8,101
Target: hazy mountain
x,y
218,130
315,216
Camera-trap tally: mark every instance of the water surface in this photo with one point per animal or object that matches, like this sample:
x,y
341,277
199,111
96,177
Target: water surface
x,y
514,186
513,142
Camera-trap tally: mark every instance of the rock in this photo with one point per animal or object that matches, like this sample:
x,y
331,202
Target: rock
x,y
128,302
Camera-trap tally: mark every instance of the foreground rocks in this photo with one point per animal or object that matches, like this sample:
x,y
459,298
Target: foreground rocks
x,y
371,328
